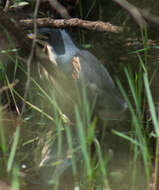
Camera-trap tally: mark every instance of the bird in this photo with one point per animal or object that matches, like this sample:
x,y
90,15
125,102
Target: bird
x,y
82,67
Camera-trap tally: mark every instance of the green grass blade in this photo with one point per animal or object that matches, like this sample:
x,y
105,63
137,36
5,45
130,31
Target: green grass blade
x,y
83,143
151,105
125,137
13,149
132,87
15,181
70,145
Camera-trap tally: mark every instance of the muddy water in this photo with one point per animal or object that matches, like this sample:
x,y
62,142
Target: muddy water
x,y
119,168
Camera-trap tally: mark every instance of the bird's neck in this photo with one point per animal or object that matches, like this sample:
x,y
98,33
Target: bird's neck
x,y
67,40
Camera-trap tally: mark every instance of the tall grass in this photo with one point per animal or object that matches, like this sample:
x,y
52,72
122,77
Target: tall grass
x,y
137,122
141,93
94,163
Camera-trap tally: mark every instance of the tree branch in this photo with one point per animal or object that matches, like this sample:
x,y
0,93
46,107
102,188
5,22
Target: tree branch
x,y
74,22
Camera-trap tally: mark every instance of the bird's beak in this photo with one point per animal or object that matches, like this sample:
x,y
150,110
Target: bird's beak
x,y
38,36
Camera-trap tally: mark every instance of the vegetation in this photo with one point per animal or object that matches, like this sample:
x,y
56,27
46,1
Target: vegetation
x,y
82,142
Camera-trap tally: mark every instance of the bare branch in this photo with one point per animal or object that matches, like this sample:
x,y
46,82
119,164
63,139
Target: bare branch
x,y
74,22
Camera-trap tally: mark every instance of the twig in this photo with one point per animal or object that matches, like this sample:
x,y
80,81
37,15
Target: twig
x,y
134,11
29,61
61,9
74,22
